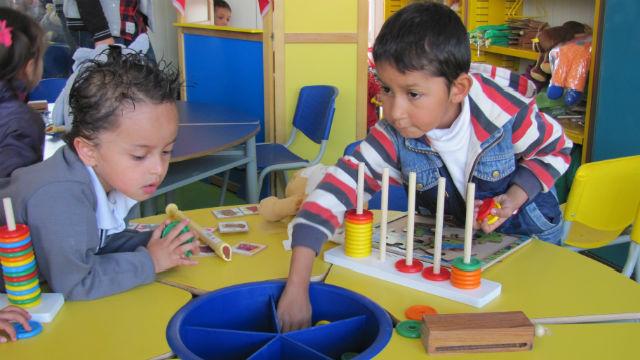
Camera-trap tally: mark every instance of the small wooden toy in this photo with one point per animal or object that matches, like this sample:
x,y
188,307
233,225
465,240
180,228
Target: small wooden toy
x,y
496,331
222,249
387,267
479,332
358,227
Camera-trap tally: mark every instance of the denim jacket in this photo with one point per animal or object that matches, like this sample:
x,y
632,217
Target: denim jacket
x,y
512,142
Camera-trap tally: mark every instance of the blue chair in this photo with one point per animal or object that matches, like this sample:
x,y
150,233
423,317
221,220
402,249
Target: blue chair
x,y
313,118
48,89
397,196
58,61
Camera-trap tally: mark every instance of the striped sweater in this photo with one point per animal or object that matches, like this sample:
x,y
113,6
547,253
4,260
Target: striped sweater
x,y
497,97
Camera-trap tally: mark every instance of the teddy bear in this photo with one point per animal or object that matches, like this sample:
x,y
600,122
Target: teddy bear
x,y
548,38
570,66
301,184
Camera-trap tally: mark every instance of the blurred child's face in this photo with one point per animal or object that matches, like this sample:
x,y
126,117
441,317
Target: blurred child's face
x,y
221,16
415,102
134,156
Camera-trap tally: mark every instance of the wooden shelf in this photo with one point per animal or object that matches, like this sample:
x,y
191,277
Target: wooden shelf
x,y
522,53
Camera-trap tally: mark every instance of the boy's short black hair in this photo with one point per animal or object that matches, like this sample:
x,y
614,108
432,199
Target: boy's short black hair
x,y
221,4
103,88
425,36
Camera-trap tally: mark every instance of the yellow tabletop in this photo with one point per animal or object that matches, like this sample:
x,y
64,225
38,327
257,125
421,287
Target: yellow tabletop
x,y
542,280
130,325
213,273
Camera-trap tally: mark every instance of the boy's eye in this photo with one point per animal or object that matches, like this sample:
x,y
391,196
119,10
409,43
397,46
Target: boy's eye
x,y
385,89
414,95
138,157
167,152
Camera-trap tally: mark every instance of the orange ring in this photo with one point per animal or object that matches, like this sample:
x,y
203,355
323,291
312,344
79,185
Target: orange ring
x,y
416,312
16,259
465,279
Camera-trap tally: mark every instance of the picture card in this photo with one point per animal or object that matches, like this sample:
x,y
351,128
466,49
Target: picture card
x,y
248,248
227,213
249,210
233,227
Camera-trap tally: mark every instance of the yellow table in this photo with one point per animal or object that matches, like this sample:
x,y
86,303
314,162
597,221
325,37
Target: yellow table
x,y
542,280
130,325
213,273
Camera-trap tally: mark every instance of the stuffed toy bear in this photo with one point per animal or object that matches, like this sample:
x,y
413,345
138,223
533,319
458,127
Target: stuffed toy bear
x,y
301,184
570,64
547,39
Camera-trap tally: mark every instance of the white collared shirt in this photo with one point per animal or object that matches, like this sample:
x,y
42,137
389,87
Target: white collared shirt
x,y
453,146
111,209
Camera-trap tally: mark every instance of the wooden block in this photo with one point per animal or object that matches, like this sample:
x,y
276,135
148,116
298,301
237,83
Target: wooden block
x,y
482,332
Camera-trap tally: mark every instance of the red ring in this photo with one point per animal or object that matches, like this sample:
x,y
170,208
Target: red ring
x,y
10,279
416,266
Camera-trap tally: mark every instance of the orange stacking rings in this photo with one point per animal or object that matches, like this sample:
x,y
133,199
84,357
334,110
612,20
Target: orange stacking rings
x,y
466,276
358,233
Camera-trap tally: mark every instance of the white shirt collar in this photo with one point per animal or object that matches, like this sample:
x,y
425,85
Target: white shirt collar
x,y
456,135
111,209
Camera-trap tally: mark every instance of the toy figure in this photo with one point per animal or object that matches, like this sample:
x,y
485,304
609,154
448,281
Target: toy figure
x,y
570,66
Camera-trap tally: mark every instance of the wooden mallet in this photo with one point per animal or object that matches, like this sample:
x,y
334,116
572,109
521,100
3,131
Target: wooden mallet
x,y
221,248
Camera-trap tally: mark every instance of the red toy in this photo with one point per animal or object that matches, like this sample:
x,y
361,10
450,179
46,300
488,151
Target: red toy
x,y
485,211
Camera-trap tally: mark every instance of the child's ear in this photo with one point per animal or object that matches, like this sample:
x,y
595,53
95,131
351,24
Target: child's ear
x,y
460,88
86,151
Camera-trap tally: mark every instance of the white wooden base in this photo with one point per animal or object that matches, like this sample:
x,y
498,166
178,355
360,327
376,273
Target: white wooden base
x,y
386,270
46,311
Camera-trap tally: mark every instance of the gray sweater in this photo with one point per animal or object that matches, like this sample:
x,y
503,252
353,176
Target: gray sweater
x,y
56,200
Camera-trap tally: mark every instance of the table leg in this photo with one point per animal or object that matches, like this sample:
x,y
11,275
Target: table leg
x,y
252,172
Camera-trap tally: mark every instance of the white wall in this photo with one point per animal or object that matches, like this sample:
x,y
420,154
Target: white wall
x,y
559,11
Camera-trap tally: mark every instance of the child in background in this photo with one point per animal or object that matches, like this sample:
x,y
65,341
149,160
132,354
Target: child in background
x,y
9,315
118,149
22,46
440,119
221,13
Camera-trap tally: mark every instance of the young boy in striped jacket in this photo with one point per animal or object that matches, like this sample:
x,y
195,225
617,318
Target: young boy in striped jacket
x,y
442,117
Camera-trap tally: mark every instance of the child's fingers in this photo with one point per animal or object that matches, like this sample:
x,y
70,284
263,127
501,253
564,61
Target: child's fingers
x,y
176,230
16,309
180,240
187,262
12,316
157,233
8,328
195,247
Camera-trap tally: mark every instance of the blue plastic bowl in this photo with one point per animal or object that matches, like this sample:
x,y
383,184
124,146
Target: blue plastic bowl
x,y
240,322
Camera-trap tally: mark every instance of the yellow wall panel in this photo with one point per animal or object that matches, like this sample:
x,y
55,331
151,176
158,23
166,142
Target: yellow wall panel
x,y
327,16
324,64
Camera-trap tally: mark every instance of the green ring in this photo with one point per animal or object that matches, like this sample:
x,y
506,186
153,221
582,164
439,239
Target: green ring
x,y
25,302
21,283
473,265
173,224
409,329
21,273
20,253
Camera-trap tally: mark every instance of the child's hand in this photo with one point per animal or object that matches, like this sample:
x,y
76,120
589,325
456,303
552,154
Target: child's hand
x,y
294,308
510,202
168,251
13,314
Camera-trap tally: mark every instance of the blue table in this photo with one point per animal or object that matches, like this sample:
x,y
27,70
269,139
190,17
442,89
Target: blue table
x,y
211,140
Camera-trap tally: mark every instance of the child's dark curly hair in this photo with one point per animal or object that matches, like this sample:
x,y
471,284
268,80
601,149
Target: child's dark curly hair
x,y
103,88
